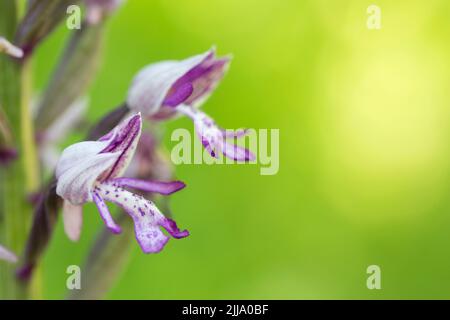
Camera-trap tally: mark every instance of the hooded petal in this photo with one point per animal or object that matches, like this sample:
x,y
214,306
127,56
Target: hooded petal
x,y
204,78
73,220
76,184
7,255
169,83
82,164
180,94
74,154
124,141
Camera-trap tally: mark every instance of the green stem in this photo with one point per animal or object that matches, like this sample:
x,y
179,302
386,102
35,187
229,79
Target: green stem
x,y
20,177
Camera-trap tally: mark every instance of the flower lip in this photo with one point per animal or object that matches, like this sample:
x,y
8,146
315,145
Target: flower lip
x,y
91,171
146,216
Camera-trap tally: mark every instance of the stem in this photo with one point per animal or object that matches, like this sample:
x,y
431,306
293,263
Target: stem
x,y
30,159
21,176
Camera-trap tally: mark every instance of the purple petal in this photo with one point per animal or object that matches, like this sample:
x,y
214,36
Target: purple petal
x,y
150,238
161,187
237,153
104,213
208,77
124,141
179,95
173,230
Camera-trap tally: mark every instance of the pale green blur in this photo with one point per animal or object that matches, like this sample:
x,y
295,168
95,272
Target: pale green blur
x,y
364,119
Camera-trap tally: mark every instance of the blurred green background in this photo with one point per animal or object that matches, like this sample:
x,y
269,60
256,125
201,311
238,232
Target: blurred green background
x,y
364,119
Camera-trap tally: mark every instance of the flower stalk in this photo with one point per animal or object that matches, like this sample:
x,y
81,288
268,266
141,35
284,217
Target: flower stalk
x,y
21,175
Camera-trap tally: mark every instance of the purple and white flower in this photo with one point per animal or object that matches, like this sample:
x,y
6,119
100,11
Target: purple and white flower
x,y
91,171
7,255
169,88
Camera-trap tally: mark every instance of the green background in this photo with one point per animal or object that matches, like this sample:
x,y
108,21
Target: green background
x,y
364,150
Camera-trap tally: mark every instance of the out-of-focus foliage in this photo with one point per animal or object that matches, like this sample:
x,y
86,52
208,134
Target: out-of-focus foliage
x,y
364,119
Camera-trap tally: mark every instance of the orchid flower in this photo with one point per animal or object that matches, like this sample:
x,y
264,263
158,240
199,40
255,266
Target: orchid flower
x,y
7,255
91,171
165,89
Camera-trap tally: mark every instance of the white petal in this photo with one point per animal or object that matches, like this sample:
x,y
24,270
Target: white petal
x,y
7,255
72,155
152,84
76,183
73,220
